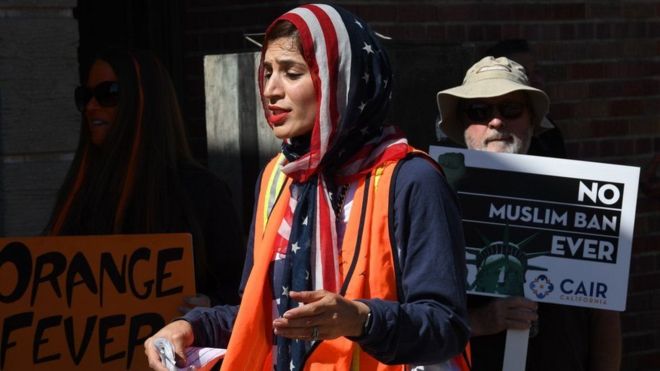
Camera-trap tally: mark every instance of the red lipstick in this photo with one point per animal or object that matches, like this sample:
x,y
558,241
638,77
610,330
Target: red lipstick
x,y
277,115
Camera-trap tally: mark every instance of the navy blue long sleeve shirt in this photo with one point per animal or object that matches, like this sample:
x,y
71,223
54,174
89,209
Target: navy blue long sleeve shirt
x,y
429,322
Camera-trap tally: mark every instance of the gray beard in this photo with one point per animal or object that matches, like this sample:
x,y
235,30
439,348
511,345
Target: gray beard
x,y
519,145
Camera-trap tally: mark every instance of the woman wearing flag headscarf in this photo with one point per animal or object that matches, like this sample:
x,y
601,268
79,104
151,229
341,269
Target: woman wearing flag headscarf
x,y
133,173
356,257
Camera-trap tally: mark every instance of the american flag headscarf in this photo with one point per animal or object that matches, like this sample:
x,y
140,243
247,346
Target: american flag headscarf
x,y
352,80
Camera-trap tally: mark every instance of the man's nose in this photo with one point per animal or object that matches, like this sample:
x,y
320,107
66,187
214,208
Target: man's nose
x,y
496,122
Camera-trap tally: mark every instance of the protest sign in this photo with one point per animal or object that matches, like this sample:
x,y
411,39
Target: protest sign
x,y
89,302
552,230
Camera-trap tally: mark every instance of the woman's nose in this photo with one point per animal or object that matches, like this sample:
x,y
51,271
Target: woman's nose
x,y
272,89
92,103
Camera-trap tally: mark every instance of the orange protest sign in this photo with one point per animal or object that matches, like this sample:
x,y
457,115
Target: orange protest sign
x,y
89,302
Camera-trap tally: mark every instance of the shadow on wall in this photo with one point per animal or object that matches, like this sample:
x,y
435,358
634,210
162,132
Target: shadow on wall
x,y
239,140
420,71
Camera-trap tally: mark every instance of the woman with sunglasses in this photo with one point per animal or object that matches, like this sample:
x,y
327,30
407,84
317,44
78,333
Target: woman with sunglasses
x,y
133,173
356,254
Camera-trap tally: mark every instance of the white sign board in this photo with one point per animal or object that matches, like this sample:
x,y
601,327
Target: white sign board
x,y
552,230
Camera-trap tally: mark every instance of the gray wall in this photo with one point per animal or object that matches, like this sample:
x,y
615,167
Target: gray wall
x,y
38,121
239,140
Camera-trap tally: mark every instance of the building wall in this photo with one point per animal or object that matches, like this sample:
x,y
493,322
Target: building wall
x,y
602,66
38,120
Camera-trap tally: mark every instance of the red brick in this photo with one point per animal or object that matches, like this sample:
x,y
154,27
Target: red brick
x,y
569,12
644,282
567,32
415,13
456,32
642,263
562,110
584,31
436,33
531,32
456,12
603,31
603,10
586,71
475,33
572,149
640,340
638,301
643,145
646,204
609,128
569,91
510,31
635,361
639,10
381,13
530,12
626,107
643,244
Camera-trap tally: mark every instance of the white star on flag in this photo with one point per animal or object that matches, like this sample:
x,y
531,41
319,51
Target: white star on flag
x,y
365,77
368,48
385,81
359,24
305,221
285,291
361,106
295,247
292,366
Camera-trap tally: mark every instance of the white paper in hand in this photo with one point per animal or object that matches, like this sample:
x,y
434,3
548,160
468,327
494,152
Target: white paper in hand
x,y
196,357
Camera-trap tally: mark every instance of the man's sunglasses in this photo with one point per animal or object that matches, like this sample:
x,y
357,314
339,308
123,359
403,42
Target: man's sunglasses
x,y
105,93
484,112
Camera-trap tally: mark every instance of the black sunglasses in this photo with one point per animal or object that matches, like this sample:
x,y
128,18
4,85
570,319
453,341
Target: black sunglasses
x,y
484,112
106,94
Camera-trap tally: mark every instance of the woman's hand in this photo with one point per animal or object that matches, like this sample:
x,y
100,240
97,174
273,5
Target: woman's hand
x,y
332,315
514,312
190,302
179,333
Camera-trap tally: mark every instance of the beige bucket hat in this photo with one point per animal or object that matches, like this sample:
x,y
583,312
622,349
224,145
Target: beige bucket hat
x,y
490,77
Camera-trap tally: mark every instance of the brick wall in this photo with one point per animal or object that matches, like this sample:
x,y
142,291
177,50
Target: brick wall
x,y
601,61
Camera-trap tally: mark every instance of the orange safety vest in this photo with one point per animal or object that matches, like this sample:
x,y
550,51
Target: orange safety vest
x,y
366,268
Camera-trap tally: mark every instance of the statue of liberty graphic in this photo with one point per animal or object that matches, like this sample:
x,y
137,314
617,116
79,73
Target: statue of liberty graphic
x,y
501,265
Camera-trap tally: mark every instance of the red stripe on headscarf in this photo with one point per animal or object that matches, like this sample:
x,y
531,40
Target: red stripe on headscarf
x,y
324,229
332,53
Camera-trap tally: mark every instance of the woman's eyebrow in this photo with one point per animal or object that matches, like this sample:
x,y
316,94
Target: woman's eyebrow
x,y
286,62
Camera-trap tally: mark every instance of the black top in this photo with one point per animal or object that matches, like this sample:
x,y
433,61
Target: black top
x,y
224,247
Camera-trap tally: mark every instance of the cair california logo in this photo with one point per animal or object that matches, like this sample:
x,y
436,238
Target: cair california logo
x,y
590,292
541,286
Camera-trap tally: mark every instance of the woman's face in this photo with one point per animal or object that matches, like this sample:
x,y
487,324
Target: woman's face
x,y
288,90
99,118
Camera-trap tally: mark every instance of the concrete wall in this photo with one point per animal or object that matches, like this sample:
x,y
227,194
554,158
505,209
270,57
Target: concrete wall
x,y
38,120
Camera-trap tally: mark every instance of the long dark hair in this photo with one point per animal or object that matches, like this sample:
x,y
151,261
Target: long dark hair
x,y
131,183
